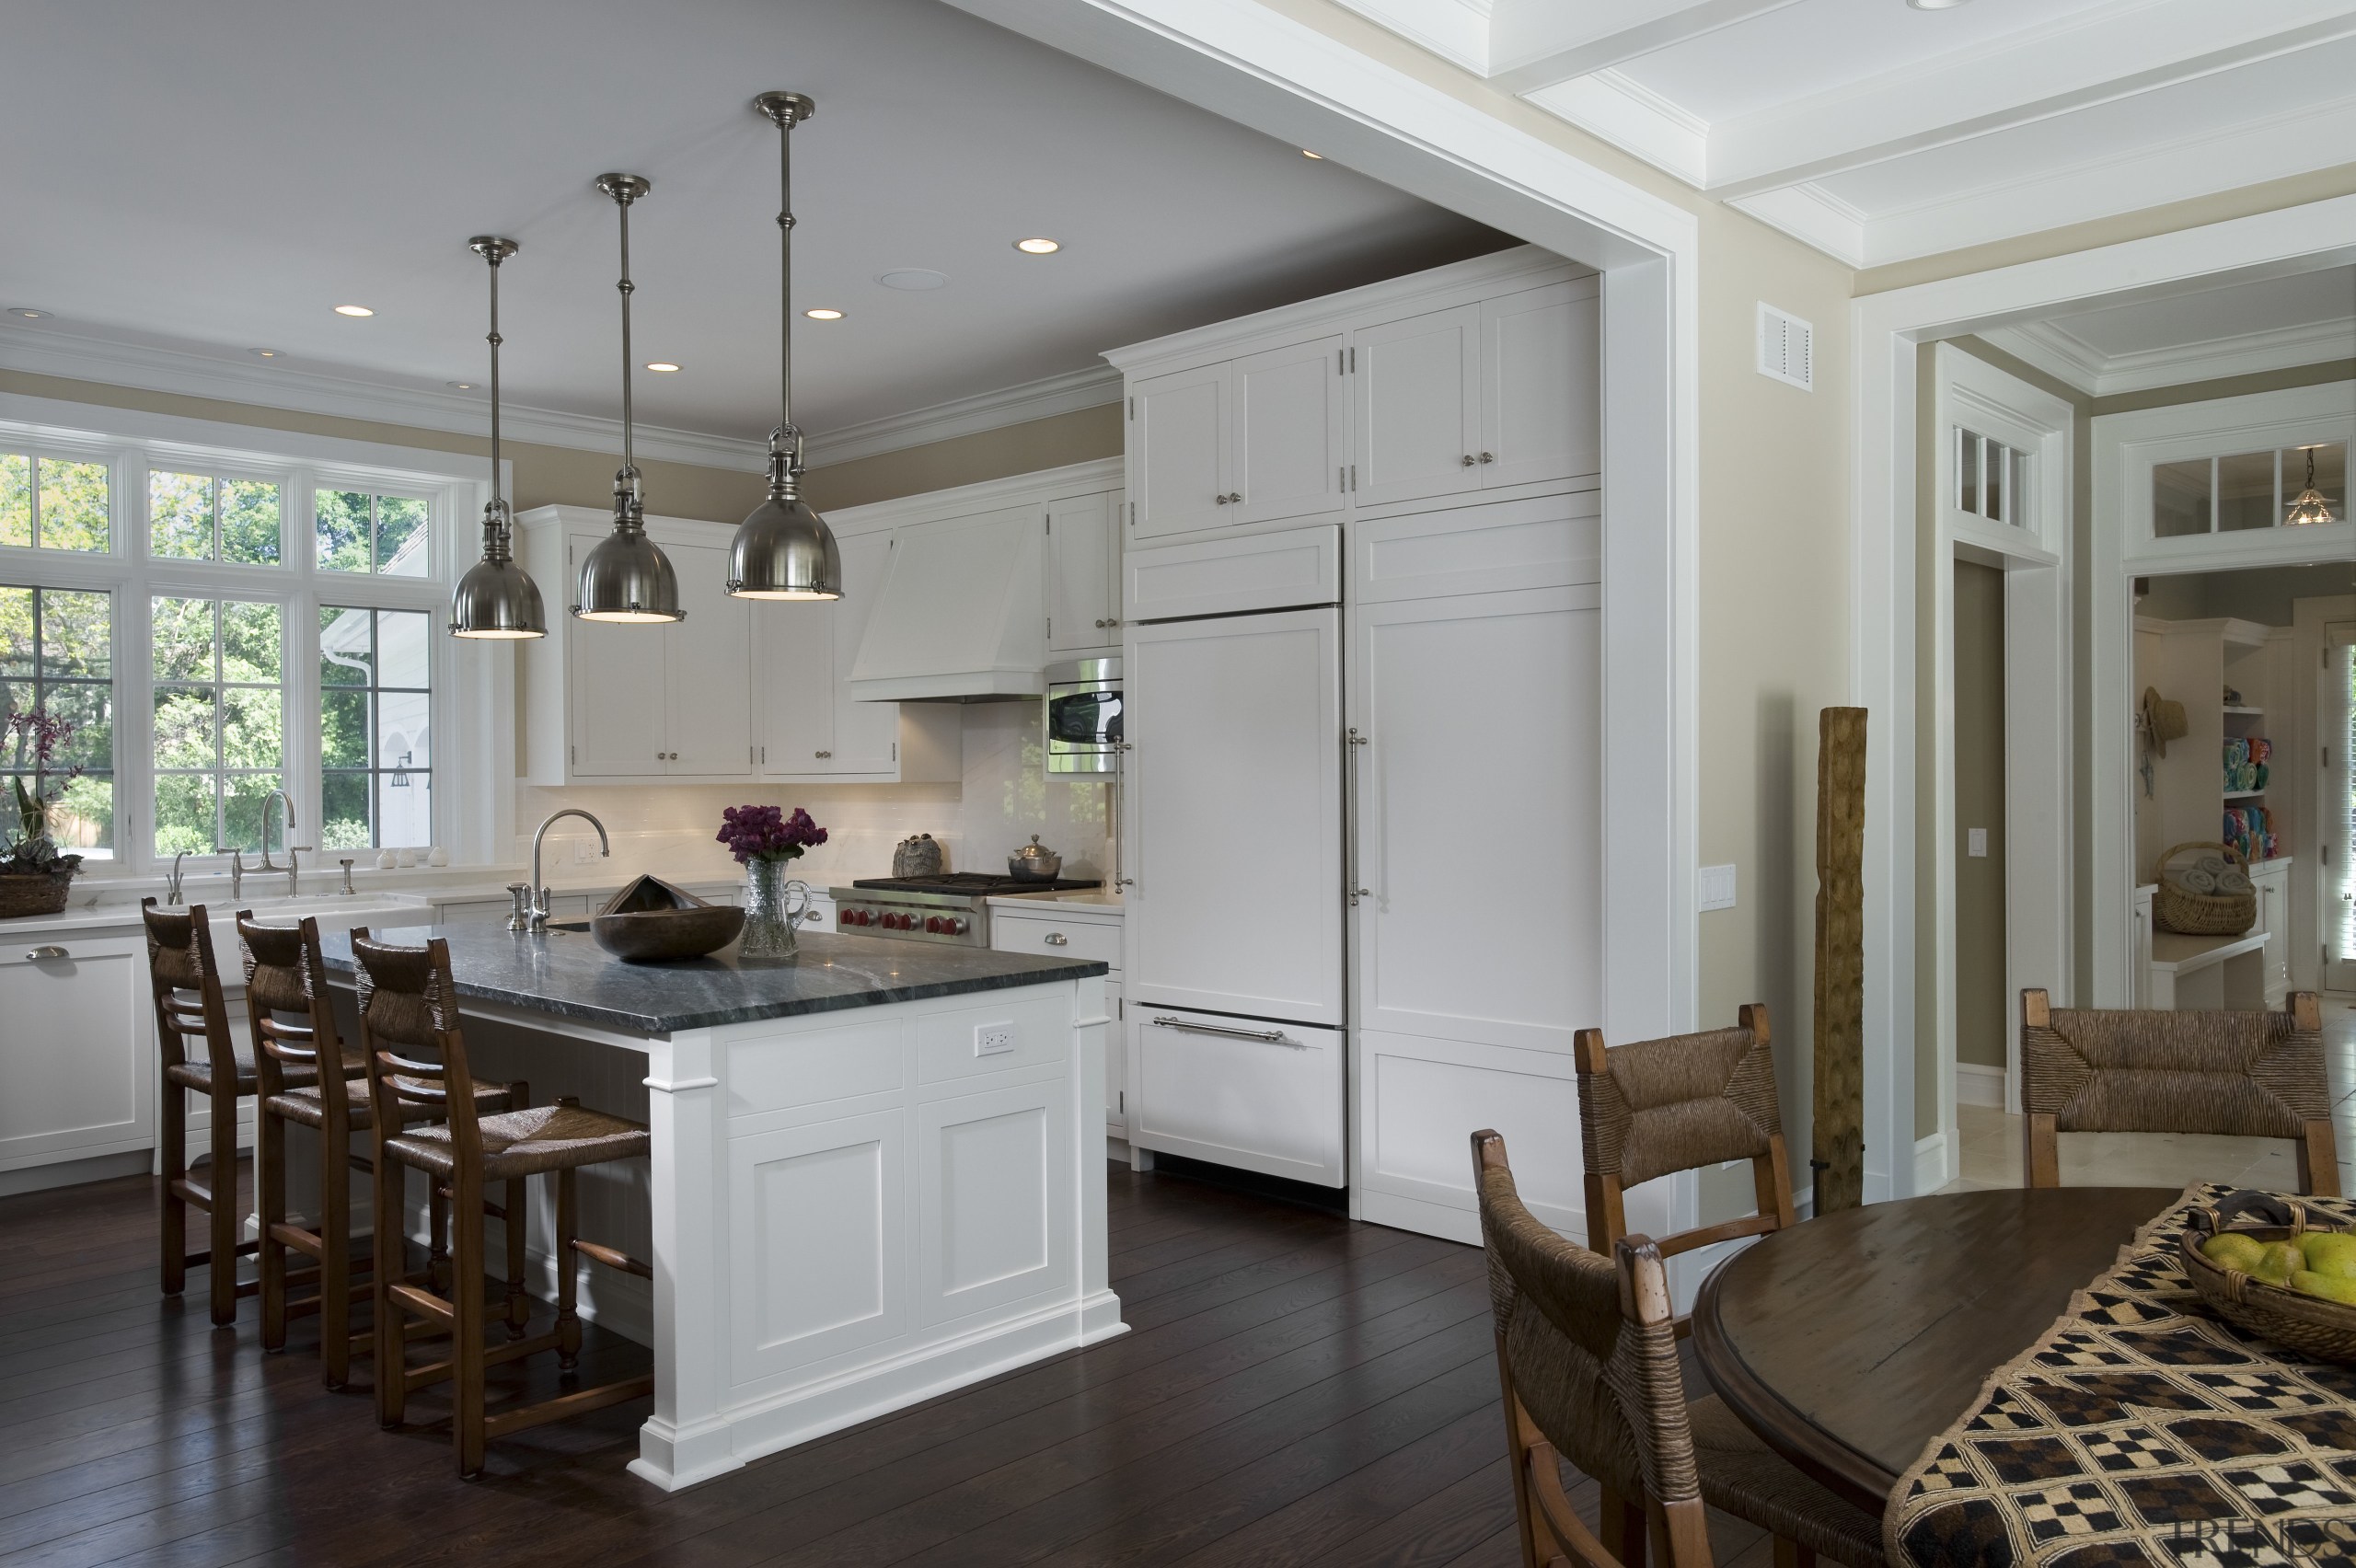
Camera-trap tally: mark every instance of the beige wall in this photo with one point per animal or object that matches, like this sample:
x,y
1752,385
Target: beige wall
x,y
1979,1004
1053,443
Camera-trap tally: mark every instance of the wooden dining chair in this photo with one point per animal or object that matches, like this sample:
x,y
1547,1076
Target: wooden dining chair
x,y
292,1019
416,1053
1588,1365
1655,1107
198,1056
2151,1070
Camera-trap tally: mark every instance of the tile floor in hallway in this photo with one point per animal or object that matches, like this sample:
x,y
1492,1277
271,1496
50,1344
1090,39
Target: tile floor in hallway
x,y
1992,1140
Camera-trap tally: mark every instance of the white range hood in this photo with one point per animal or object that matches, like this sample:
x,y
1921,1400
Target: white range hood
x,y
961,614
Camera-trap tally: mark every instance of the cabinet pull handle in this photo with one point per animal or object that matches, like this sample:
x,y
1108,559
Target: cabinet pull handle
x,y
37,954
1350,815
1057,938
1272,1036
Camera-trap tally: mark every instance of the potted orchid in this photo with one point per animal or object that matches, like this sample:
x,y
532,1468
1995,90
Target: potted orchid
x,y
764,839
35,875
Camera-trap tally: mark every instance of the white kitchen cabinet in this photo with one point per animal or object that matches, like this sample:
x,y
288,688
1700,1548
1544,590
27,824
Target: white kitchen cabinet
x,y
1085,934
1084,574
76,1076
1542,379
1117,1062
1290,448
2272,879
1462,1017
809,727
1243,1093
608,703
1417,402
1179,461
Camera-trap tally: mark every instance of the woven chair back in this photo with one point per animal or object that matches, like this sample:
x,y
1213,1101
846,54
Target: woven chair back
x,y
288,1011
186,986
1588,1350
409,1034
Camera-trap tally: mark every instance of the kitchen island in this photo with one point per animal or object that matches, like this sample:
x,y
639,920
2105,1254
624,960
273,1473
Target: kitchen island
x,y
877,1175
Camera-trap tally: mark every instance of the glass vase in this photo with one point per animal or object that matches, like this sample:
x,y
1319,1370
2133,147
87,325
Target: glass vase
x,y
768,919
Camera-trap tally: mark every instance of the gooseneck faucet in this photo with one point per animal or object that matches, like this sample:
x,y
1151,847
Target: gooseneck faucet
x,y
537,915
285,831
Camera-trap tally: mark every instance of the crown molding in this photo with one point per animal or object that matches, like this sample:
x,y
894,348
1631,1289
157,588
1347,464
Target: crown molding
x,y
2060,352
109,362
1634,118
1812,215
1089,388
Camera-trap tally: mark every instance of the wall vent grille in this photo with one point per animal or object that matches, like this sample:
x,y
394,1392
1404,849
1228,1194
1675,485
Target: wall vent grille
x,y
1786,348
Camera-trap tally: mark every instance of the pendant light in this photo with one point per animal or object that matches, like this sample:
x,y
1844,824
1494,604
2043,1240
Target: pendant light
x,y
626,578
496,598
2310,506
784,551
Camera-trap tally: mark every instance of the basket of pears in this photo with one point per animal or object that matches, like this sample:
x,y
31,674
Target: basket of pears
x,y
2265,1263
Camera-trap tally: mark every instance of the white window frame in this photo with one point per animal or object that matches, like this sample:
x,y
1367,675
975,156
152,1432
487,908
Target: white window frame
x,y
472,682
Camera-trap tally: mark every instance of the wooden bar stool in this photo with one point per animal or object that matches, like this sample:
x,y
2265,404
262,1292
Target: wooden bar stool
x,y
409,1007
284,975
186,985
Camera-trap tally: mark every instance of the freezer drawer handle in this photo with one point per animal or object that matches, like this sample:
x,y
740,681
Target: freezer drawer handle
x,y
1272,1036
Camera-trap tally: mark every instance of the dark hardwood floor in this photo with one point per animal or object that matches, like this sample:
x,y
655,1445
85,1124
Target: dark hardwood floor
x,y
1296,1391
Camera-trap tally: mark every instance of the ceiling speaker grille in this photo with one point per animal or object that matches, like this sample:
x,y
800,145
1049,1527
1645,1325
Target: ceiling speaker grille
x,y
1786,348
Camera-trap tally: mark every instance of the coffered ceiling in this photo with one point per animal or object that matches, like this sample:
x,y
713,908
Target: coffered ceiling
x,y
187,184
1877,130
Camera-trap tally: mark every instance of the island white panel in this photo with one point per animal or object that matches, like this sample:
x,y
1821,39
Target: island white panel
x,y
784,1073
819,1241
995,1228
1007,1034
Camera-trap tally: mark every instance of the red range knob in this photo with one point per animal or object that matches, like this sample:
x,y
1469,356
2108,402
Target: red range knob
x,y
865,918
932,924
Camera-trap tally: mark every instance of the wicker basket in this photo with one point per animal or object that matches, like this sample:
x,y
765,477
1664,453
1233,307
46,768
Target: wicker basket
x,y
2308,1324
2177,908
22,895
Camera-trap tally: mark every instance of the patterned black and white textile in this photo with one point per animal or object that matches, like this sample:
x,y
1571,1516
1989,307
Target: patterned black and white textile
x,y
2139,1430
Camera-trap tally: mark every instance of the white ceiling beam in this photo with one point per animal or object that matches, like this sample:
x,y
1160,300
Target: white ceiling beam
x,y
1535,43
2090,58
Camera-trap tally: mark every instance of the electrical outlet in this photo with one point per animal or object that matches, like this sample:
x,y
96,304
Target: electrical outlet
x,y
1975,843
993,1038
584,851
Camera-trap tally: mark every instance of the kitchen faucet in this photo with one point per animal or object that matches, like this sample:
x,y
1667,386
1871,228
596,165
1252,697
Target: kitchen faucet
x,y
172,882
287,829
537,917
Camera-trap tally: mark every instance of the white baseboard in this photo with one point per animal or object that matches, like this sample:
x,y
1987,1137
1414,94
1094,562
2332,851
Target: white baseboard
x,y
75,1173
1937,1161
1978,1085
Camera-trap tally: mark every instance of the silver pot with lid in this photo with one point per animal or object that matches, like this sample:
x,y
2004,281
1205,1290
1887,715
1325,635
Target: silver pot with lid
x,y
1035,862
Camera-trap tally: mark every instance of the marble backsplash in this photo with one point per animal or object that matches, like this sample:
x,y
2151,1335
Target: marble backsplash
x,y
1003,798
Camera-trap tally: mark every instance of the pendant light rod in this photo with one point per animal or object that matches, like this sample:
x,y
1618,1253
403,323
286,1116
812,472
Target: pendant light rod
x,y
626,189
494,250
786,110
496,598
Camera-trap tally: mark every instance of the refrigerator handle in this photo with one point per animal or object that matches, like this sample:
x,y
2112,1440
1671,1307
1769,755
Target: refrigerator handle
x,y
1272,1036
1350,815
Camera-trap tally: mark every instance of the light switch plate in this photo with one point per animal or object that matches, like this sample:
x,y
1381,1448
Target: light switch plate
x,y
584,850
1715,888
993,1038
1975,843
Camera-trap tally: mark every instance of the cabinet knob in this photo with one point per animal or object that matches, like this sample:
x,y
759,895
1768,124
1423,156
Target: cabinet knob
x,y
1468,459
1235,498
1057,938
1218,500
1488,457
822,754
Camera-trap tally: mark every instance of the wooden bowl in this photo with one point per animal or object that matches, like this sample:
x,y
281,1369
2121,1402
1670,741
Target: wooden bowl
x,y
652,922
2308,1324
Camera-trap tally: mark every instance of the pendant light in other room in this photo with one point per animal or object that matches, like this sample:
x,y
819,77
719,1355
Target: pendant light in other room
x,y
626,578
784,551
496,598
2310,506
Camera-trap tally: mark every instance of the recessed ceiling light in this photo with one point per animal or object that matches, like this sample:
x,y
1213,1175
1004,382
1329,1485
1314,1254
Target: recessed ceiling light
x,y
354,310
28,313
1037,247
663,365
1307,153
1937,4
459,386
263,354
821,312
912,277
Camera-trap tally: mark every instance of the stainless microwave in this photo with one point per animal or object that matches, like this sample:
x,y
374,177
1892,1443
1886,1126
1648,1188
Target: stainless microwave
x,y
1083,723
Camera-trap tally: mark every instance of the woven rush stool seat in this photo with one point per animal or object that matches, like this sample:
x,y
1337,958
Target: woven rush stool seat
x,y
292,1025
528,1143
416,1055
198,1076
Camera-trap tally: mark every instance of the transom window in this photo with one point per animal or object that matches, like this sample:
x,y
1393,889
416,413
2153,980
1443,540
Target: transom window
x,y
1993,480
209,648
2241,491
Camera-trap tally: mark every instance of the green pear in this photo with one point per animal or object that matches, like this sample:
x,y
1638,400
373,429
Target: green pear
x,y
2330,1252
2281,1260
2234,1249
2330,1288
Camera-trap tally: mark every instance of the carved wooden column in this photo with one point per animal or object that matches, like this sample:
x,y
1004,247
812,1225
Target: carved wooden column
x,y
1839,1133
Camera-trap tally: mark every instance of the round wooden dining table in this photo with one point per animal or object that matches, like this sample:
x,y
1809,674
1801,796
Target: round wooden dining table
x,y
1849,1342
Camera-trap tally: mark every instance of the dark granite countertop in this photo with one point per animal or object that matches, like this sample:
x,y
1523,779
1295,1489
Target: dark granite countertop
x,y
567,974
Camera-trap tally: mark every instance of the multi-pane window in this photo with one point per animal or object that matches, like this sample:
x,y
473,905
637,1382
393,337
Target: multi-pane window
x,y
376,730
360,531
1991,480
56,654
202,517
218,684
53,504
2241,491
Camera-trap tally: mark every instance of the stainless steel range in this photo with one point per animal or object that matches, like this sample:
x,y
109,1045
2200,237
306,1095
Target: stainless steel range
x,y
946,908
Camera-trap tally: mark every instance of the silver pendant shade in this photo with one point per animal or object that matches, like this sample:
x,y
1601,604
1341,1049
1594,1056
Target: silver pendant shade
x,y
496,598
784,551
626,578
